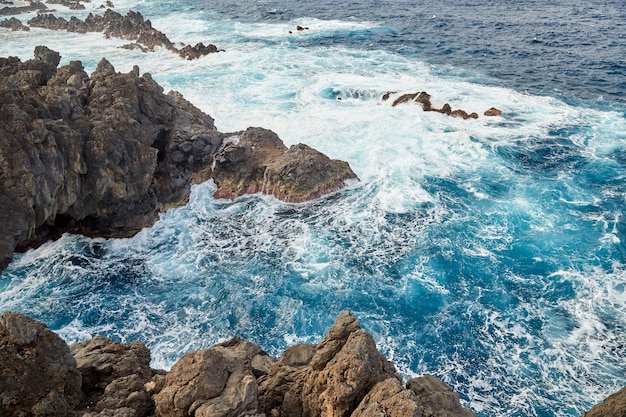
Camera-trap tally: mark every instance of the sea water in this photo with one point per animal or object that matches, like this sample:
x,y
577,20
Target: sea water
x,y
489,253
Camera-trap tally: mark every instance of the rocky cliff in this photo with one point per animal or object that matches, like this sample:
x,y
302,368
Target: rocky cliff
x,y
102,155
343,375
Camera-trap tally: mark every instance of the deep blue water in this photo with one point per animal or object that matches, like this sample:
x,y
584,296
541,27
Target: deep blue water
x,y
487,252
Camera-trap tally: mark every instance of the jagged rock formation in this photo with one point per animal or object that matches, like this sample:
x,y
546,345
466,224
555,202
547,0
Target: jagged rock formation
x,y
11,10
256,160
342,376
14,24
423,98
103,155
133,26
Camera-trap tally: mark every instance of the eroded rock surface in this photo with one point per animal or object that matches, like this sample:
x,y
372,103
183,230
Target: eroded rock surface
x,y
256,160
102,155
344,375
38,375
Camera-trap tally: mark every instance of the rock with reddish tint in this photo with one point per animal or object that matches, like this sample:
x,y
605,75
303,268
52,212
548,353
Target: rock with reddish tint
x,y
612,406
257,161
329,379
493,112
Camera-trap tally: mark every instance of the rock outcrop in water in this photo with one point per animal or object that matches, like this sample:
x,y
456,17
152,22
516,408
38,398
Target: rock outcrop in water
x,y
256,160
423,98
344,375
103,155
133,26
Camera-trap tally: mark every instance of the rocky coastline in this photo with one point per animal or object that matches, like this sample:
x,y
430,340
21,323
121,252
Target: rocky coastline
x,y
344,375
102,155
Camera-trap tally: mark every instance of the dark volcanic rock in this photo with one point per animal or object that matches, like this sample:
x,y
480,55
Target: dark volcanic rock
x,y
133,27
95,156
38,375
14,24
493,112
103,155
33,6
256,160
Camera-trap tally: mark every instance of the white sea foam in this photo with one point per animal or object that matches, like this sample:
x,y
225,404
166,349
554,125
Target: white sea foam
x,y
463,258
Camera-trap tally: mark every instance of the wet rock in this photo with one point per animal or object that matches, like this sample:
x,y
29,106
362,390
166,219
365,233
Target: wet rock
x,y
13,10
493,112
260,162
38,374
192,52
14,24
421,97
112,24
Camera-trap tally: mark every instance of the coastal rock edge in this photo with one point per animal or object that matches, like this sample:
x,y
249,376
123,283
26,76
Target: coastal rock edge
x,y
343,375
102,155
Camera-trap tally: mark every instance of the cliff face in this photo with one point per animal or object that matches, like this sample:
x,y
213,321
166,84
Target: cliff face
x,y
344,375
102,155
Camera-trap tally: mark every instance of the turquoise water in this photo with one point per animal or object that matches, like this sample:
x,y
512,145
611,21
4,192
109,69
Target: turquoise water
x,y
487,252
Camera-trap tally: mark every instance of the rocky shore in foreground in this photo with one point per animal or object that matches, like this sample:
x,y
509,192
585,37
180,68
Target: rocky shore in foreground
x,y
343,375
102,155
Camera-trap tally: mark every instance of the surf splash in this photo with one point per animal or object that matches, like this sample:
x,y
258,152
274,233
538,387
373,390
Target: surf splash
x,y
487,252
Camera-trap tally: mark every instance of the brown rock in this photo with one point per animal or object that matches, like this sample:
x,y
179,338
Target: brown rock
x,y
341,371
256,160
421,97
389,399
437,398
493,112
216,382
613,406
114,376
38,376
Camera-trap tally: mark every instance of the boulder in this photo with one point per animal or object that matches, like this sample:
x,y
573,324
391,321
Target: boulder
x,y
38,375
114,376
437,398
389,399
329,379
216,382
256,160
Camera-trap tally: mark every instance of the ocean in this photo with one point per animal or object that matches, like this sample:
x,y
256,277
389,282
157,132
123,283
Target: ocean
x,y
489,253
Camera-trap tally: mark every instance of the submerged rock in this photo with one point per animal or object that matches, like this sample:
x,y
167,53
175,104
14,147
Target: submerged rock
x,y
344,375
